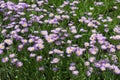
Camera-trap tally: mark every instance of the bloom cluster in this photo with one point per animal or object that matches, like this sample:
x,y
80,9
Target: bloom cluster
x,y
33,28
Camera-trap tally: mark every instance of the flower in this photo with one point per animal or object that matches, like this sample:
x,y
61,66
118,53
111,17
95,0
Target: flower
x,y
2,46
88,73
14,60
8,41
1,51
20,0
70,49
45,33
51,15
104,47
118,47
39,58
91,8
12,55
77,36
117,29
74,31
107,65
55,69
87,63
51,38
102,68
90,24
32,55
79,51
5,59
41,68
118,17
20,47
93,50
117,70
58,51
69,41
51,52
112,49
24,24
92,59
39,46
55,60
72,68
98,3
31,40
31,49
75,72
24,41
19,64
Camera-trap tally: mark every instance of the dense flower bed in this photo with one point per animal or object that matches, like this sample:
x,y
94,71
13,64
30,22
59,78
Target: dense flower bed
x,y
52,34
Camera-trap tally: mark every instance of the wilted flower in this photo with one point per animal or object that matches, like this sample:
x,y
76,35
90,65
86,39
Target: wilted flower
x,y
98,3
55,69
41,68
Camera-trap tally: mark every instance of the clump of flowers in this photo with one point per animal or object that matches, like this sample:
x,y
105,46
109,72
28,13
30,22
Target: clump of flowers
x,y
57,36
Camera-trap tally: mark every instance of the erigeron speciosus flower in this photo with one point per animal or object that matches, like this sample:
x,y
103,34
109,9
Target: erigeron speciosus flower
x,y
8,41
